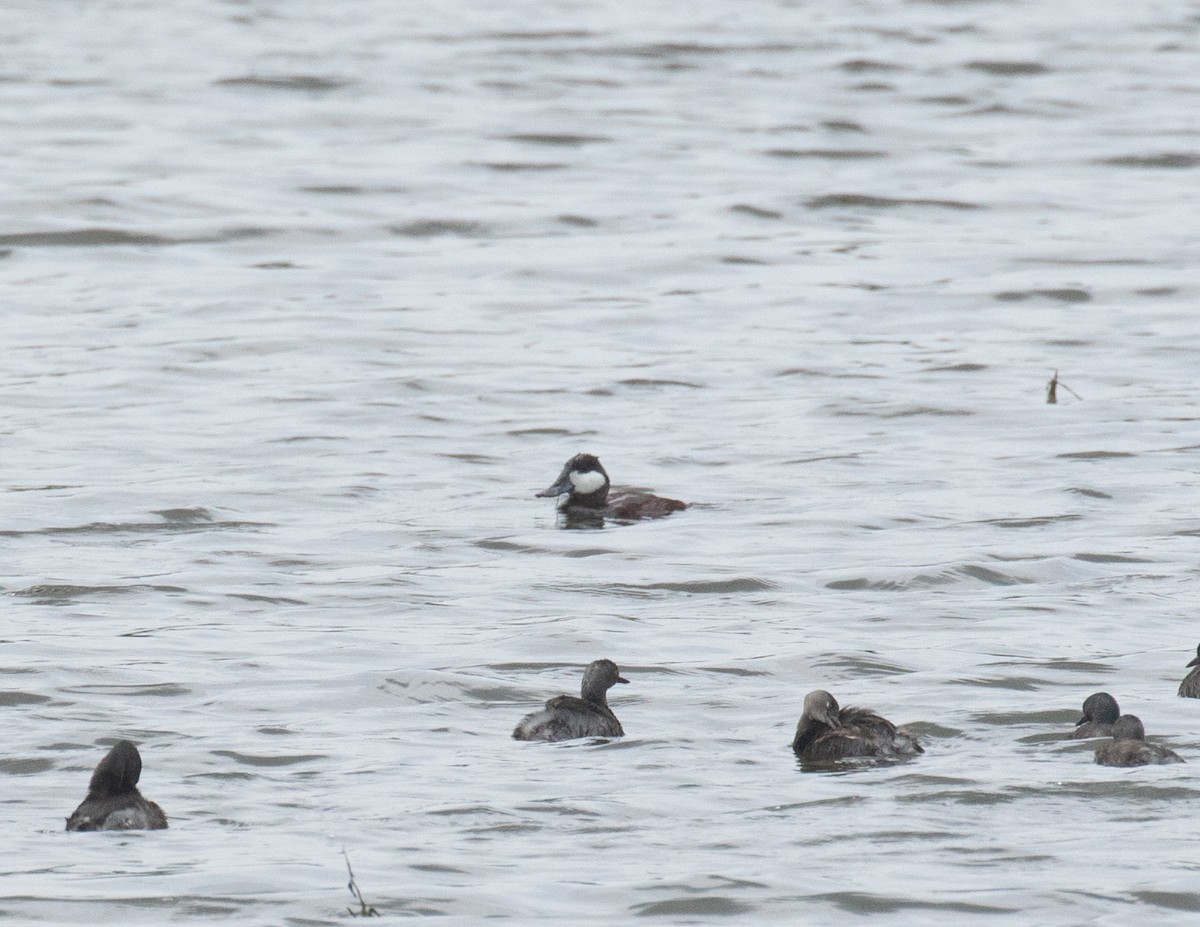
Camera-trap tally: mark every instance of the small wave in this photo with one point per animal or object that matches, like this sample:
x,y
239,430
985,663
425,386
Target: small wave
x,y
652,383
697,587
185,516
1090,493
22,698
1035,522
843,125
1008,68
25,766
267,599
250,759
552,432
866,201
154,690
304,82
901,412
949,99
1062,295
1173,901
432,228
756,212
705,905
49,593
678,49
868,66
1111,558
741,584
547,35
1094,455
1171,160
1012,683
519,166
334,189
557,139
831,154
83,238
105,527
863,666
870,903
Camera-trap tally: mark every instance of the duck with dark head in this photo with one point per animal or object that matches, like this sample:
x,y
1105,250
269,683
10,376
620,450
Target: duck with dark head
x,y
566,717
1100,713
113,801
829,732
590,497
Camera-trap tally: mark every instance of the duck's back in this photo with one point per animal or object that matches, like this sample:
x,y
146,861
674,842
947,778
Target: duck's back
x,y
566,718
863,733
631,505
1135,753
118,812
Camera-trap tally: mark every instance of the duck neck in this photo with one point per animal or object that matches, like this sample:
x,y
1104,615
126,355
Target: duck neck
x,y
596,499
807,731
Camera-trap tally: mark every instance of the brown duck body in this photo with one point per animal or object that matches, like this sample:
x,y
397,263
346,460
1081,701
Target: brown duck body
x,y
829,732
566,717
1129,748
113,801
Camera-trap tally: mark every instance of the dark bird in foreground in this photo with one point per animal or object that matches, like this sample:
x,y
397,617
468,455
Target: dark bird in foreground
x,y
566,717
827,732
1190,687
113,801
586,486
1100,713
1128,746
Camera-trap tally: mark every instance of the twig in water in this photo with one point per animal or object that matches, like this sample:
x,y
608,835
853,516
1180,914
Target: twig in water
x,y
1052,390
364,909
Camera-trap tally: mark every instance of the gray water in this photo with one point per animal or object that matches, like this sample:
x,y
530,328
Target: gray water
x,y
304,301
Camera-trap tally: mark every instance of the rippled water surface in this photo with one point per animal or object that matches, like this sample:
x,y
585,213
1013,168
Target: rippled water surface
x,y
303,302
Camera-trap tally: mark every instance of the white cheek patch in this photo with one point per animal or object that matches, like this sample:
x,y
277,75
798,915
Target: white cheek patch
x,y
586,483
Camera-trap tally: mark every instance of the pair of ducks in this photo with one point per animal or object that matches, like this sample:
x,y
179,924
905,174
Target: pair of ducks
x,y
1102,718
826,731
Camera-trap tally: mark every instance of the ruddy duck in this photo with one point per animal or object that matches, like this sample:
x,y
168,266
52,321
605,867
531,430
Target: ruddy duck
x,y
827,732
1128,746
566,717
1100,713
113,801
1190,687
586,486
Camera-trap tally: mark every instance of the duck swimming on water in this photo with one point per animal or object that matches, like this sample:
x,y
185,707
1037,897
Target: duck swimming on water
x,y
1128,746
566,717
1100,713
1190,687
828,732
586,486
113,801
